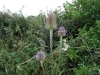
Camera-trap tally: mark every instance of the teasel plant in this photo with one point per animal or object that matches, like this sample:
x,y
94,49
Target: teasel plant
x,y
51,25
40,56
61,33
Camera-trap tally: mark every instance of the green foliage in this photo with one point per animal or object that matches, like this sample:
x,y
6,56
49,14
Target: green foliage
x,y
21,37
20,40
78,14
87,47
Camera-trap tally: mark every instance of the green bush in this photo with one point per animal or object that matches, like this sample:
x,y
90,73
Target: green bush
x,y
22,37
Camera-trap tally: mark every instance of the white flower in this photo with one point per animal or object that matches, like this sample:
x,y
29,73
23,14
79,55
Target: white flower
x,y
66,47
64,40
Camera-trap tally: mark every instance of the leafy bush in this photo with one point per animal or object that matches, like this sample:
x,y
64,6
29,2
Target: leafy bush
x,y
22,37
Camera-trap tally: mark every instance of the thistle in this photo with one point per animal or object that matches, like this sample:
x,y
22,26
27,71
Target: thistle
x,y
61,33
51,21
40,56
51,25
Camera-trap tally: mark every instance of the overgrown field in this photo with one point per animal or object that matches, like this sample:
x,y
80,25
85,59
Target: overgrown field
x,y
29,46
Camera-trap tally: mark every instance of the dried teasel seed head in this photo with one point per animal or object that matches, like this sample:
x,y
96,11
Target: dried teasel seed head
x,y
51,21
56,53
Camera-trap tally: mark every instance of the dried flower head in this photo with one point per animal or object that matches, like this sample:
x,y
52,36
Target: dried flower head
x,y
61,31
40,56
56,53
51,21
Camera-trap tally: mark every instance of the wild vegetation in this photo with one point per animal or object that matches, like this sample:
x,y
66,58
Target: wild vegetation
x,y
64,42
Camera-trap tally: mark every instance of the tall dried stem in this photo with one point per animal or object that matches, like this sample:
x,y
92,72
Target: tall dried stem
x,y
51,41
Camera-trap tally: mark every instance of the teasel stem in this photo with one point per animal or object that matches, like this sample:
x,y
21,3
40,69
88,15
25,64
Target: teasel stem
x,y
51,42
60,54
60,43
60,47
41,62
60,50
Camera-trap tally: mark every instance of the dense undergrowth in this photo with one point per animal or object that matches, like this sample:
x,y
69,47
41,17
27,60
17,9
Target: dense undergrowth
x,y
22,37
